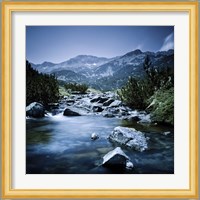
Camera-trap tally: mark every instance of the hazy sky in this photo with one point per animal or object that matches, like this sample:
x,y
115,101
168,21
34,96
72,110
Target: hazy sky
x,y
59,43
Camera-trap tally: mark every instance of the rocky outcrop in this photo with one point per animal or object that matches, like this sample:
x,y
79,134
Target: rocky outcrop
x,y
35,109
129,137
117,158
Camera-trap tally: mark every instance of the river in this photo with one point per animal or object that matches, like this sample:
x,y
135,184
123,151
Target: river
x,y
62,145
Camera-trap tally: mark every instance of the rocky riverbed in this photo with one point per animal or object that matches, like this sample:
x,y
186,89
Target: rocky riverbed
x,y
96,133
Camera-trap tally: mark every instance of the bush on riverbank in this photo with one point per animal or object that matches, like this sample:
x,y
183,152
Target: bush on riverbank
x,y
155,92
135,93
161,106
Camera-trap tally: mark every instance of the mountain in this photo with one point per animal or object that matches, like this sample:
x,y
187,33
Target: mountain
x,y
106,73
84,64
45,67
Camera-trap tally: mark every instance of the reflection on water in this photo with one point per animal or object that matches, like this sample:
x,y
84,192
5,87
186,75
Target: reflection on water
x,y
62,145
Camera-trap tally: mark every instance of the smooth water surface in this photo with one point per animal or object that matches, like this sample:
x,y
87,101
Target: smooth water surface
x,y
62,145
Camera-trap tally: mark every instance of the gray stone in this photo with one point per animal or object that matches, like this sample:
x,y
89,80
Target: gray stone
x,y
97,109
129,165
108,102
115,158
115,103
103,99
69,112
35,109
145,119
95,99
129,137
94,136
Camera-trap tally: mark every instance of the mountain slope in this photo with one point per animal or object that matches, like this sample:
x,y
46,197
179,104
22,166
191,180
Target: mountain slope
x,y
104,73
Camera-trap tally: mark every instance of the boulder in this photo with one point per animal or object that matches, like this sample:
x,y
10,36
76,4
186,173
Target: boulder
x,y
35,109
134,118
83,103
70,101
129,165
103,99
97,109
94,136
110,94
115,103
99,99
113,110
95,99
117,158
145,119
129,137
108,102
69,112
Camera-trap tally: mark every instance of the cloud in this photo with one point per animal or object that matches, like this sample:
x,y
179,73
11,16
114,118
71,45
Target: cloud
x,y
168,43
139,46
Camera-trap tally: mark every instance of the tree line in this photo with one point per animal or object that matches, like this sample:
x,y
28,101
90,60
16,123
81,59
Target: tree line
x,y
42,88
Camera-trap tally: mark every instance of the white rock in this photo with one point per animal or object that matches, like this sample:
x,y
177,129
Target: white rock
x,y
115,103
115,157
166,133
129,137
94,136
129,165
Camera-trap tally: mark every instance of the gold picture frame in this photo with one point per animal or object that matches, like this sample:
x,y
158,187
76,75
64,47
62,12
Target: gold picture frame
x,y
7,9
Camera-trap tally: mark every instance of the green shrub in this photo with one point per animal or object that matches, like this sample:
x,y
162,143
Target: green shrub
x,y
161,106
135,93
158,77
81,88
154,92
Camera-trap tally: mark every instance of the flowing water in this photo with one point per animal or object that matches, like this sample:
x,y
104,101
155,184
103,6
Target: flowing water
x,y
62,145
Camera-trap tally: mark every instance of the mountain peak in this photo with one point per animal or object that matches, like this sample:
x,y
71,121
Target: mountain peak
x,y
45,63
137,51
88,57
133,53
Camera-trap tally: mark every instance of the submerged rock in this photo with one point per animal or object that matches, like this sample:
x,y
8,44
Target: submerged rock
x,y
118,158
69,112
35,109
129,137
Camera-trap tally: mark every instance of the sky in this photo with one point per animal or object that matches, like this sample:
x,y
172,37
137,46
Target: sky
x,y
60,43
